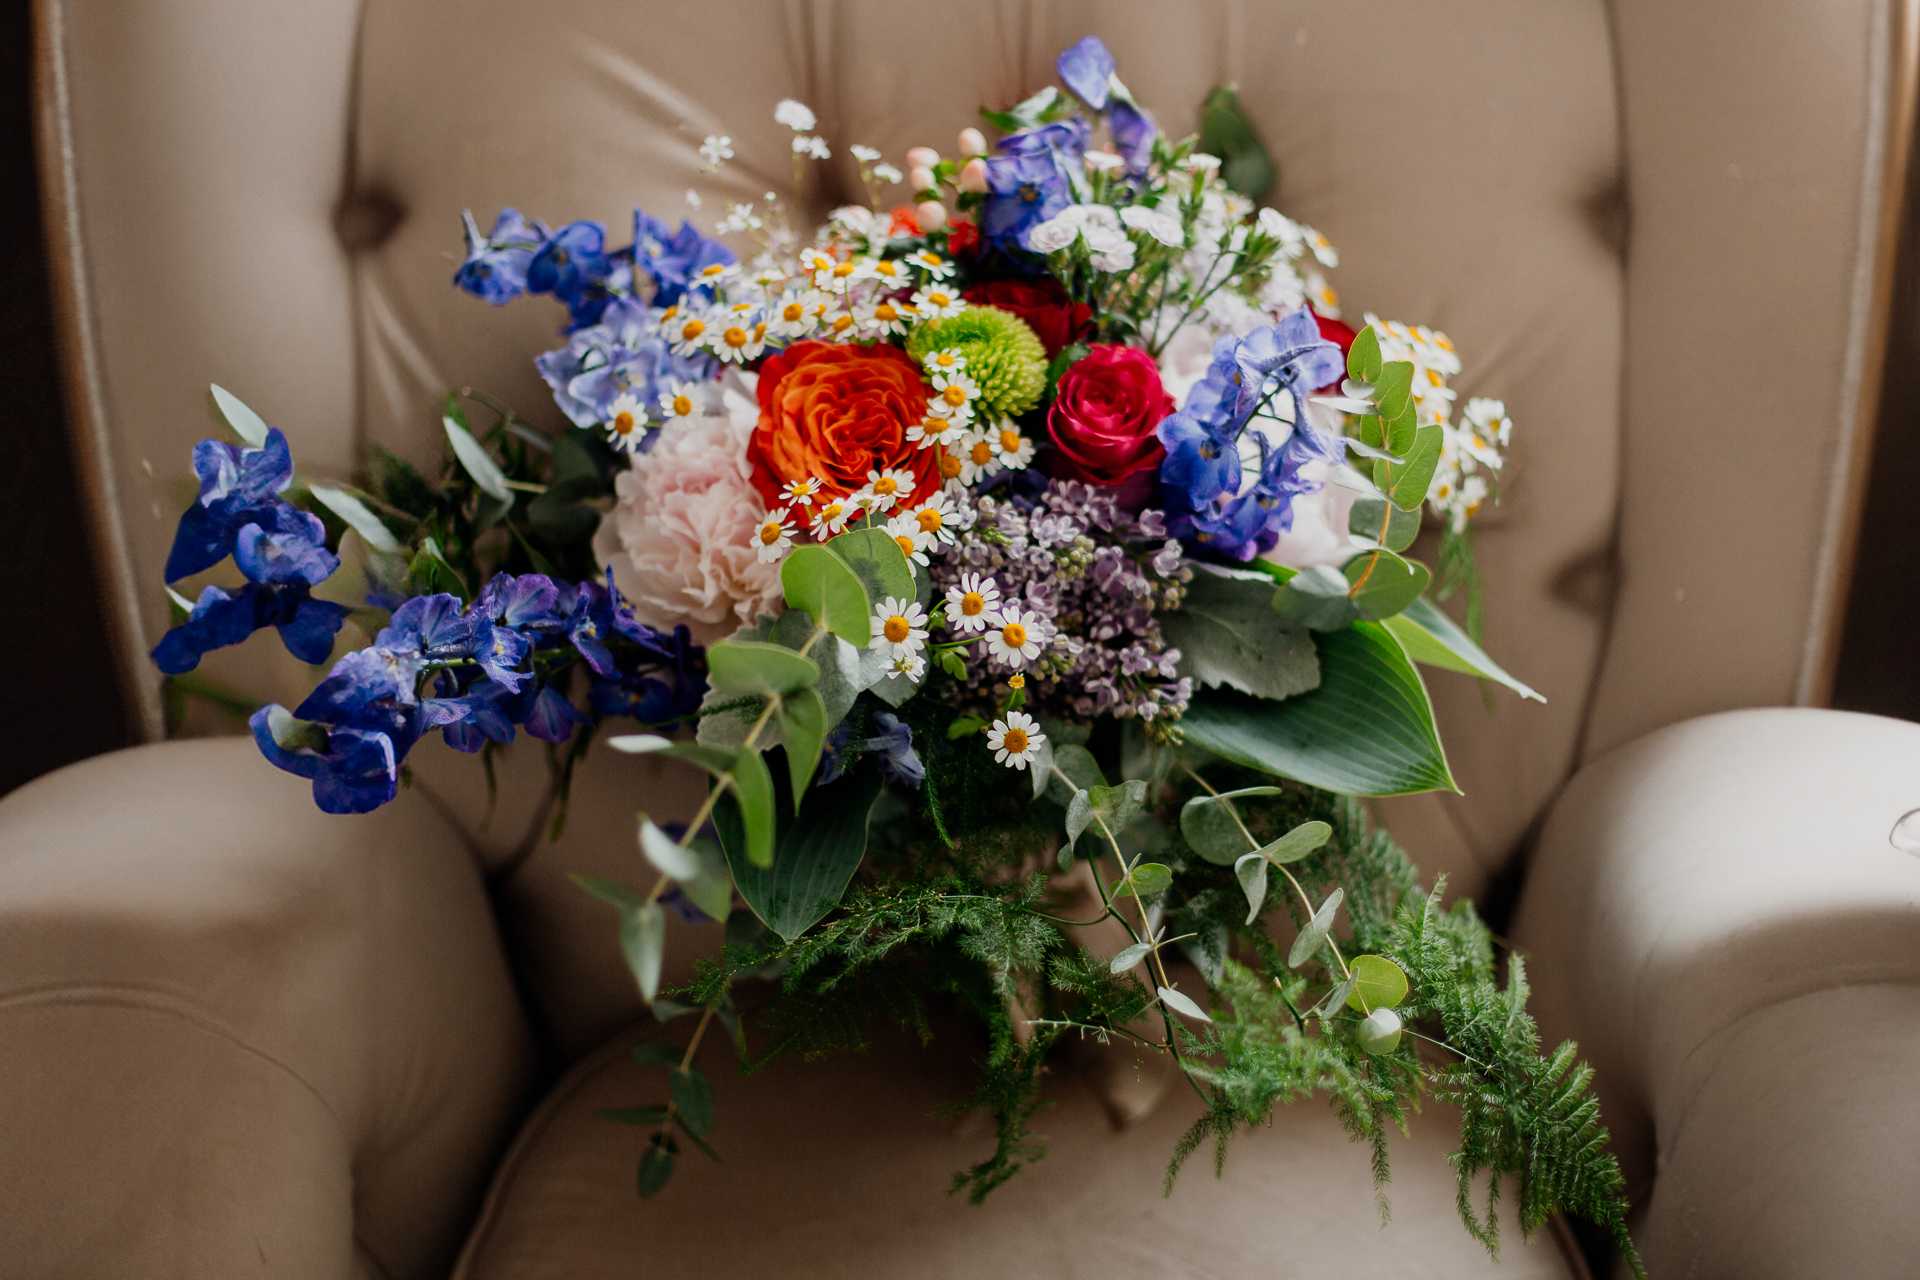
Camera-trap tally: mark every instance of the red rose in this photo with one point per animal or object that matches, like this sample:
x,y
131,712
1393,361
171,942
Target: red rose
x,y
963,238
1335,331
1043,305
833,413
1104,414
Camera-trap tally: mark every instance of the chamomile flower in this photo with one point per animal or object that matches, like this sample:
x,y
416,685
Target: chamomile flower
x,y
945,360
814,261
1015,740
913,539
689,334
885,488
978,459
899,627
954,390
949,463
972,602
1011,449
830,517
881,318
911,668
797,312
774,537
1015,637
841,276
931,264
742,339
677,402
936,302
935,428
841,326
802,492
626,423
935,516
893,275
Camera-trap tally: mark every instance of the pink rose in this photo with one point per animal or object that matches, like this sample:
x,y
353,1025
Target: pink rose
x,y
1104,414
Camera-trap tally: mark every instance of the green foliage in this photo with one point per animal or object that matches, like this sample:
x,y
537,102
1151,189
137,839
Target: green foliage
x,y
1005,357
1226,132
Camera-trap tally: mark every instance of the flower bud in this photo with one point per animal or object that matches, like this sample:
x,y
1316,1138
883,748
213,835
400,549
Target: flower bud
x,y
923,157
972,142
920,178
931,214
973,176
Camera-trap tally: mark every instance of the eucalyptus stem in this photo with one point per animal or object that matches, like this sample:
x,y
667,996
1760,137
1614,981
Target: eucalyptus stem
x,y
686,1060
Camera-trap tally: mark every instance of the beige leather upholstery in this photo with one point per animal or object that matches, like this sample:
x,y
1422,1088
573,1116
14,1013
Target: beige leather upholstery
x,y
266,195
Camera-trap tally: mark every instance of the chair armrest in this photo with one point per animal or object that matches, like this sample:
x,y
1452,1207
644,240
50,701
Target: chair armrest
x,y
1716,914
238,1035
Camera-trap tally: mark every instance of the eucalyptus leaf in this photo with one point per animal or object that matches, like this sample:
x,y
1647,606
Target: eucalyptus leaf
x,y
714,760
1406,482
1079,818
653,1053
876,559
1297,843
639,744
1367,730
1207,950
692,1095
803,728
1040,768
1433,638
756,668
711,889
1082,770
753,790
1383,584
1180,1003
1379,1032
1146,879
610,891
1251,871
1212,829
1315,934
1393,388
1336,997
1383,523
246,424
358,516
815,579
1128,957
656,1169
1228,636
1379,983
1316,598
1363,357
643,940
668,857
477,462
1115,807
820,848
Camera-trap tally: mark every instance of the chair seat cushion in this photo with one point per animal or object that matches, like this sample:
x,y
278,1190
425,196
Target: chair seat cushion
x,y
839,1168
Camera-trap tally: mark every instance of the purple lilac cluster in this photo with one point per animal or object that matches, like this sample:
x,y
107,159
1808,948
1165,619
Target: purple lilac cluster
x,y
1097,576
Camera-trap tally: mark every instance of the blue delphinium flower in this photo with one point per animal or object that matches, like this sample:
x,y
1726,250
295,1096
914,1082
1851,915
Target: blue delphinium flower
x,y
430,628
353,770
674,260
573,265
1133,134
622,355
288,545
238,486
893,742
1202,461
1024,189
1084,67
496,265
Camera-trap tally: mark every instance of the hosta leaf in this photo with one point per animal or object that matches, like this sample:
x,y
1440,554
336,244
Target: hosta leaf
x,y
1228,635
819,848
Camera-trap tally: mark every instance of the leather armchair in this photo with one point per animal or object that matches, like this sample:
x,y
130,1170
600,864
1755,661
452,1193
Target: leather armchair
x,y
244,1037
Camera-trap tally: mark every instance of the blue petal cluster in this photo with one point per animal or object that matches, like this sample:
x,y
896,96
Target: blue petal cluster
x,y
478,674
623,354
1201,478
281,549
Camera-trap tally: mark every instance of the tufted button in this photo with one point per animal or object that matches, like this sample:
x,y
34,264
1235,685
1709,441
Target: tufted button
x,y
366,219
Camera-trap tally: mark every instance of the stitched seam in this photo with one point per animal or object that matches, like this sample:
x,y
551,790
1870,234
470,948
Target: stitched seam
x,y
150,1000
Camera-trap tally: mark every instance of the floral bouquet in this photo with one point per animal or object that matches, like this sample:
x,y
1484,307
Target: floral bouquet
x,y
1025,564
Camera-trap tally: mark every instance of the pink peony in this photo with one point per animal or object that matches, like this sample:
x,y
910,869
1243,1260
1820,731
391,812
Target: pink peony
x,y
680,535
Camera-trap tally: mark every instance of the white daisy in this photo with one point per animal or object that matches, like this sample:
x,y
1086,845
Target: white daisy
x,y
841,276
931,264
830,517
892,274
814,261
911,668
1015,637
955,390
626,423
882,318
913,539
972,602
802,492
774,537
885,488
978,459
714,274
689,335
1015,740
677,401
842,326
935,516
797,312
936,428
945,360
936,302
899,627
742,339
1011,449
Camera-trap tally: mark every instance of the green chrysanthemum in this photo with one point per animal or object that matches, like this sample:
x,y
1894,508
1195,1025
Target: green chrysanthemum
x,y
1004,357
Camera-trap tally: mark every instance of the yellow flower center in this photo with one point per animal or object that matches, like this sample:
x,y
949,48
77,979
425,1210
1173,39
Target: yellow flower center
x,y
1015,741
949,465
896,629
886,486
842,270
946,360
760,332
623,423
691,330
769,533
906,546
1014,634
831,512
955,395
929,520
885,269
735,337
982,454
668,315
934,426
717,268
885,314
1016,681
682,405
973,604
792,312
842,323
940,299
930,259
1010,441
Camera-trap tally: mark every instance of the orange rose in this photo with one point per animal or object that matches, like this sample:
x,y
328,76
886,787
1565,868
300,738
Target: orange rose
x,y
833,413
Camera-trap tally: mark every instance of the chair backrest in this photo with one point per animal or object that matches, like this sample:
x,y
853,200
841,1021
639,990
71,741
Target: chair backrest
x,y
267,195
